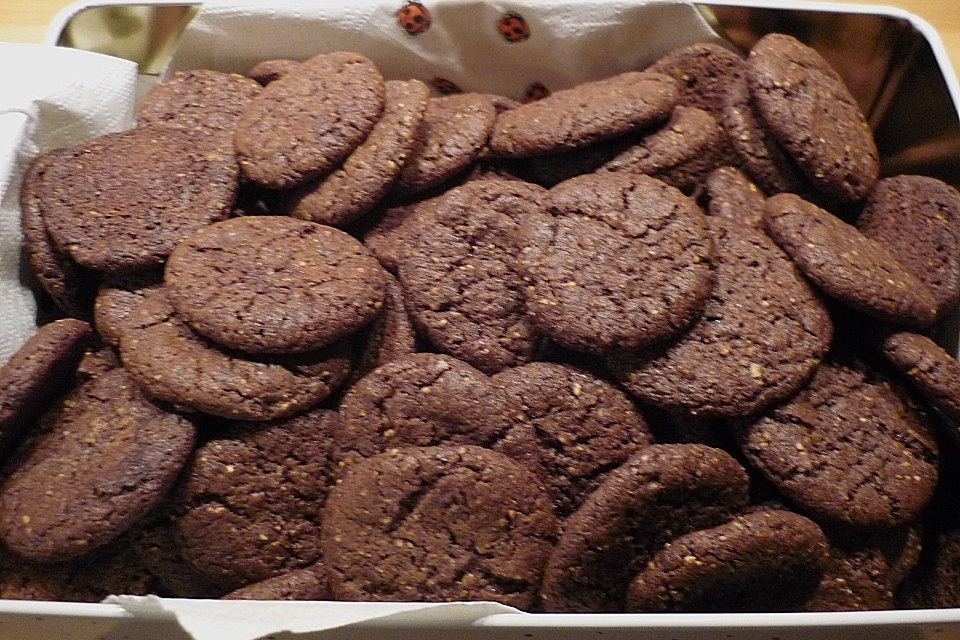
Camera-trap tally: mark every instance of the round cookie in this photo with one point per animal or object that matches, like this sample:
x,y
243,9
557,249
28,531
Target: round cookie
x,y
388,234
854,580
249,503
389,337
659,494
767,560
420,400
810,111
459,283
299,584
367,175
199,101
438,524
574,428
761,335
120,294
755,147
453,133
67,284
615,261
38,373
703,72
851,448
307,122
102,459
846,264
731,195
269,70
930,369
916,218
585,114
172,364
150,186
274,284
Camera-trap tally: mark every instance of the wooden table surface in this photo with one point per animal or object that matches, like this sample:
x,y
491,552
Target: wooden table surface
x,y
27,20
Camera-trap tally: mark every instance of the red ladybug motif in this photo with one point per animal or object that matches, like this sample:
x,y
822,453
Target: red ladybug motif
x,y
444,86
536,91
513,28
414,18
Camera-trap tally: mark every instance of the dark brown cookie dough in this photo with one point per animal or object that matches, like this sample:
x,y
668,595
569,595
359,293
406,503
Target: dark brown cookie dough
x,y
249,503
309,120
846,264
458,279
388,234
703,72
438,524
917,219
421,400
585,114
761,335
767,560
200,101
173,364
274,284
37,374
732,196
70,286
299,584
659,494
615,261
389,337
810,111
367,175
572,429
453,133
150,186
118,296
269,70
755,147
930,369
102,459
851,448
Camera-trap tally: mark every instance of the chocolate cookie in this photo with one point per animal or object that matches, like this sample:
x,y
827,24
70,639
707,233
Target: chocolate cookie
x,y
387,235
931,370
659,494
438,524
846,264
250,501
755,147
585,114
851,448
308,121
274,284
453,133
367,175
37,374
573,428
70,286
389,337
854,580
731,195
173,364
269,70
916,218
761,335
119,295
199,101
615,261
767,560
420,400
810,111
703,72
458,278
102,459
299,584
123,201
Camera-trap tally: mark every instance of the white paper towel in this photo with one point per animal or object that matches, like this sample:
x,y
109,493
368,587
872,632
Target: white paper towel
x,y
61,97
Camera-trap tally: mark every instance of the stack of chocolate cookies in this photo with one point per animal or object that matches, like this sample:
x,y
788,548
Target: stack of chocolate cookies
x,y
325,336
